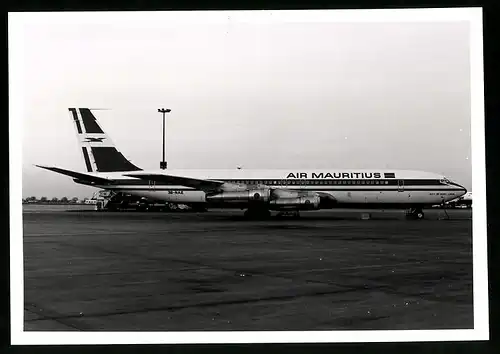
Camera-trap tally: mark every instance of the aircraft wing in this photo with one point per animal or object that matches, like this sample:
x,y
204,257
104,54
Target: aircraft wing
x,y
78,175
201,184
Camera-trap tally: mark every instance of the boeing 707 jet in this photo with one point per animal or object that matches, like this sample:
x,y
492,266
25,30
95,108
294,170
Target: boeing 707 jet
x,y
257,191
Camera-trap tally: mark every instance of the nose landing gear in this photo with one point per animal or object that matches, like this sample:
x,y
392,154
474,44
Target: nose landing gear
x,y
443,205
415,214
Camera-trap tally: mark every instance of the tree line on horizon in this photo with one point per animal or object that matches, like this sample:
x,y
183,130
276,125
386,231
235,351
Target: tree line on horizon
x,y
54,200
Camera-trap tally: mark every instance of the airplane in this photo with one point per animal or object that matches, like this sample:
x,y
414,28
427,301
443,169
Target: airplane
x,y
258,191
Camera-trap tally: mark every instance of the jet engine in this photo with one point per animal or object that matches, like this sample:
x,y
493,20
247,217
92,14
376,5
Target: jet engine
x,y
309,202
254,195
283,193
275,199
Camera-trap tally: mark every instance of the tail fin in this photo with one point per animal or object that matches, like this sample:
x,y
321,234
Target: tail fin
x,y
98,150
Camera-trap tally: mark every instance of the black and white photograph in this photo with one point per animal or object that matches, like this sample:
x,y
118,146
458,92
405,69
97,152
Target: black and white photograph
x,y
284,176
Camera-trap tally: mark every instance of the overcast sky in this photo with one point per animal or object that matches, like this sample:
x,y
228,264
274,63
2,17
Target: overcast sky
x,y
268,95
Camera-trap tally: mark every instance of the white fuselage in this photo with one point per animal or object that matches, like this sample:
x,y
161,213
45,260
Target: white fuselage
x,y
347,187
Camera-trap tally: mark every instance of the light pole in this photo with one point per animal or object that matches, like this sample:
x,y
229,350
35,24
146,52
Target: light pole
x,y
163,163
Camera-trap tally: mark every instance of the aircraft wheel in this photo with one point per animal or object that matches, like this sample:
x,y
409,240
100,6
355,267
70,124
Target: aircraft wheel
x,y
256,214
415,214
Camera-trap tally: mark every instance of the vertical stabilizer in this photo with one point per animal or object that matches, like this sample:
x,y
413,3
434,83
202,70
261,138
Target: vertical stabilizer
x,y
99,152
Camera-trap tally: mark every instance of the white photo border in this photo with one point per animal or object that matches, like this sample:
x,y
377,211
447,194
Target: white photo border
x,y
480,270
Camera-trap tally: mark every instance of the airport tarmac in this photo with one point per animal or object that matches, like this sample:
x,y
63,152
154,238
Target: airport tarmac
x,y
127,271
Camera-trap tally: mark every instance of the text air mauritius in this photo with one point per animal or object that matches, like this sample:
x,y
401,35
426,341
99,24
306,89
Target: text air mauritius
x,y
257,191
341,175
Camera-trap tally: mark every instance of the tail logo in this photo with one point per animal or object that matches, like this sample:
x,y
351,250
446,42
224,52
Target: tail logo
x,y
93,140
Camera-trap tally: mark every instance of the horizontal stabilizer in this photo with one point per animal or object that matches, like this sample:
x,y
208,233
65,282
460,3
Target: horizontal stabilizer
x,y
201,184
78,175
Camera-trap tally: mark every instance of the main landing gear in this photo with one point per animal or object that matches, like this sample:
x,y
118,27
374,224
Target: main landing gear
x,y
294,214
264,214
199,209
415,214
257,213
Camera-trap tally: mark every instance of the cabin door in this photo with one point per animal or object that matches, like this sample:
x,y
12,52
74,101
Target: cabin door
x,y
401,185
152,185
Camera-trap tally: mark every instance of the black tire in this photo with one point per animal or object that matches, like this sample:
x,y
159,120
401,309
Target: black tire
x,y
257,214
